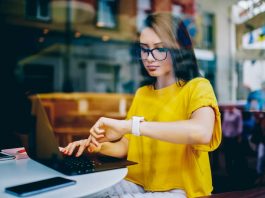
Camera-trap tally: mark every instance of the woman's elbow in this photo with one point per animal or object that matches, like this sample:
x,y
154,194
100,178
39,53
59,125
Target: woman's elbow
x,y
117,154
201,136
206,139
123,152
121,156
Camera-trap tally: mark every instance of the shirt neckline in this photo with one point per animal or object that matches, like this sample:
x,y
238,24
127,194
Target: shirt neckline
x,y
165,90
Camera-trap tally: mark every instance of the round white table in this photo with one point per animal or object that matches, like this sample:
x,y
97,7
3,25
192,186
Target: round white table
x,y
15,172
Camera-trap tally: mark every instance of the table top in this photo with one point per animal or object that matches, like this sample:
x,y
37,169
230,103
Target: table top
x,y
15,172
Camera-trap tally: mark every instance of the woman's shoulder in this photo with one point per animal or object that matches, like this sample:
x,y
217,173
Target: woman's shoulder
x,y
198,82
143,89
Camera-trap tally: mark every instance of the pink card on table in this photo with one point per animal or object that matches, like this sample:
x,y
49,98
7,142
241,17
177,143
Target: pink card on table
x,y
19,153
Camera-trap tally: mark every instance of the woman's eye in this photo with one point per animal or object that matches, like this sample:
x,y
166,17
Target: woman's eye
x,y
144,49
162,49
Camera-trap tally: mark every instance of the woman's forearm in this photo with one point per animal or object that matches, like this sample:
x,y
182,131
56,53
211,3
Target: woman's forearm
x,y
197,130
180,132
115,149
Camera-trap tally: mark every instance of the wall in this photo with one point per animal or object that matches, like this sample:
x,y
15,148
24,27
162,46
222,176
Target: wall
x,y
224,50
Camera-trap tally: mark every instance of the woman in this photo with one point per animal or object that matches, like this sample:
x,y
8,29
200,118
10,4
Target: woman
x,y
181,119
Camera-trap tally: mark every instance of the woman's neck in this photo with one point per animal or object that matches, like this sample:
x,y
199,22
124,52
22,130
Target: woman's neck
x,y
163,82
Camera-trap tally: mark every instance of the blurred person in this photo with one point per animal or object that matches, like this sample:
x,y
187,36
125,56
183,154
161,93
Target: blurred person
x,y
249,120
232,126
258,139
256,99
254,105
173,123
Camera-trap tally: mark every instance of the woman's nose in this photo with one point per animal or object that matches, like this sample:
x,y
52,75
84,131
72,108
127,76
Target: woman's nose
x,y
150,57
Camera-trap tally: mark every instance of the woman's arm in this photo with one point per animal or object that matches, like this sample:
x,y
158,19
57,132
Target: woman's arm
x,y
197,130
115,149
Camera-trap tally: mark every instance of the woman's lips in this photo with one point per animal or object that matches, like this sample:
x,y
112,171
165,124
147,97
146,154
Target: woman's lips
x,y
152,67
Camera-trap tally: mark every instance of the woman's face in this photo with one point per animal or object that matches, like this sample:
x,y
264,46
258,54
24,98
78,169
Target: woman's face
x,y
149,40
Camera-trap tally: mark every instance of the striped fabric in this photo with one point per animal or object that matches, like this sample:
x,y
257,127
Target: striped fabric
x,y
126,189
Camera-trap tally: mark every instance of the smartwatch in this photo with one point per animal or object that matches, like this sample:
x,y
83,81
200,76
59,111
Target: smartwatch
x,y
136,120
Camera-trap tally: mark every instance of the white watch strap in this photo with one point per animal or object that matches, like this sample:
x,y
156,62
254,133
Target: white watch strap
x,y
136,125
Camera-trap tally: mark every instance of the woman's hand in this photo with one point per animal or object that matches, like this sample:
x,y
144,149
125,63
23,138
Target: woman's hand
x,y
108,130
82,145
104,130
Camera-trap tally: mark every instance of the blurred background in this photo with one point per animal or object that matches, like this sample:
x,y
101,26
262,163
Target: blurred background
x,y
79,55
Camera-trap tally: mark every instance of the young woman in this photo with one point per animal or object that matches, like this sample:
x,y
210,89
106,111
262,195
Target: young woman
x,y
173,123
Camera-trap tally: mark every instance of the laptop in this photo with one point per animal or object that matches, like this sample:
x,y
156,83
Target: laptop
x,y
42,147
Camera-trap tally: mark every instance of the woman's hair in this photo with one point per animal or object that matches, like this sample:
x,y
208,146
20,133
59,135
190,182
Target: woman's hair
x,y
173,33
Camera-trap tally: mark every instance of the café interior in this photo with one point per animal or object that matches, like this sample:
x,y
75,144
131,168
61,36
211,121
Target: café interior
x,y
79,57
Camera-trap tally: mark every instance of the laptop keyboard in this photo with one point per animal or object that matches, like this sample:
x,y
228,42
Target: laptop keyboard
x,y
80,165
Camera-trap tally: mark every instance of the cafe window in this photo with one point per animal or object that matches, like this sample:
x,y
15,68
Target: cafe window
x,y
208,28
38,77
106,14
38,10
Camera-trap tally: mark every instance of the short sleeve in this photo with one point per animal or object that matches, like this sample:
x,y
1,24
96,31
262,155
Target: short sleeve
x,y
202,95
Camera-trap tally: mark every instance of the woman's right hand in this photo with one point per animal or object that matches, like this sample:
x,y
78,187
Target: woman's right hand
x,y
104,130
82,145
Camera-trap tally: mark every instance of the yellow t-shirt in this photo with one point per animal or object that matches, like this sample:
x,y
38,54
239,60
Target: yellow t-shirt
x,y
163,166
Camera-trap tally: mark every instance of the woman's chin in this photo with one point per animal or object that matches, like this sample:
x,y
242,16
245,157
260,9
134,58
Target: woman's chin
x,y
153,73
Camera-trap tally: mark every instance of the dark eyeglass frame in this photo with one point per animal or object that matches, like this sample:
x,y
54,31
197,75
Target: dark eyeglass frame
x,y
151,51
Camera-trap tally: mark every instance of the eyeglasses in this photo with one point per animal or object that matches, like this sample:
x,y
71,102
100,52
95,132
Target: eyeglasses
x,y
158,54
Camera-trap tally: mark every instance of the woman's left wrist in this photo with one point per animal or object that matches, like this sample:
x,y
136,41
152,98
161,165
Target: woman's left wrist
x,y
127,126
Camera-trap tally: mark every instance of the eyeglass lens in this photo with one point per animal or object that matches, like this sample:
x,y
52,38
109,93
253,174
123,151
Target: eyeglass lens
x,y
157,53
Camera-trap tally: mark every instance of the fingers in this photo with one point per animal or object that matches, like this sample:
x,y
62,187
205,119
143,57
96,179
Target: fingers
x,y
96,133
72,147
69,149
66,149
88,140
97,130
94,141
61,149
91,139
91,143
93,148
81,149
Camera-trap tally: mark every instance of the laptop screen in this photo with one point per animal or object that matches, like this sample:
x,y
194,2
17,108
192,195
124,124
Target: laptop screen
x,y
42,144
